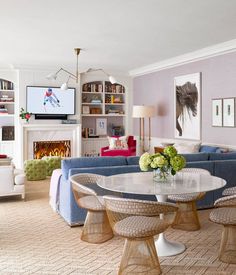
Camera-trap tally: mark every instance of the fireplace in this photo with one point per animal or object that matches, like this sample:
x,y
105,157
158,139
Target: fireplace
x,y
61,148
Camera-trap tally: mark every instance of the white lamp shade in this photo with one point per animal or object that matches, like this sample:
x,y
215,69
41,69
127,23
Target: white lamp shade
x,y
112,79
64,86
140,111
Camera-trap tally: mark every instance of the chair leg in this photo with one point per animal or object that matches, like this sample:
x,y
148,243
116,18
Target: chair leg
x,y
140,256
96,228
227,252
186,218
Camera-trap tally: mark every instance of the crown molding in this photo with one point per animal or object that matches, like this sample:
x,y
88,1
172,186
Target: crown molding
x,y
204,53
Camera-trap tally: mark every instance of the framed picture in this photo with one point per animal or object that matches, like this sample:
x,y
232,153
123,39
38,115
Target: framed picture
x,y
217,112
91,132
229,112
85,110
101,126
187,106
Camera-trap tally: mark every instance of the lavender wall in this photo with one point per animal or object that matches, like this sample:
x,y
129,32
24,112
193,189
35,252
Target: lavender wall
x,y
218,81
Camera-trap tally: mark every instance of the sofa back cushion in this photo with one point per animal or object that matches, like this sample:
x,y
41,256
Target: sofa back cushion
x,y
85,162
196,157
133,160
106,171
222,156
208,149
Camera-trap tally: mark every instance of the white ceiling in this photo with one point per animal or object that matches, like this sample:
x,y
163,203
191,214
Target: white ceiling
x,y
117,35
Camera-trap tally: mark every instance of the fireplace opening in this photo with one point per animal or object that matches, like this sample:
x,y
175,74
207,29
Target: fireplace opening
x,y
61,148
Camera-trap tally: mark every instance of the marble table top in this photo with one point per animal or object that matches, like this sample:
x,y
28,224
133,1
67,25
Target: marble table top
x,y
143,183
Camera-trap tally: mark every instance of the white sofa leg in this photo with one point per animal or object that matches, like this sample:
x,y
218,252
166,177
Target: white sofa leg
x,y
23,196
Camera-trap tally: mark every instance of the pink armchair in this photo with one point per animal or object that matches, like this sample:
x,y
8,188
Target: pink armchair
x,y
131,151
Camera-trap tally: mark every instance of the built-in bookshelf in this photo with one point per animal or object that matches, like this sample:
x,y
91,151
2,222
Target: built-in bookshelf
x,y
102,103
7,117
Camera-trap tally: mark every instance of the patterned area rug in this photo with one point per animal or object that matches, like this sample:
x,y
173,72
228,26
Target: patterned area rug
x,y
35,240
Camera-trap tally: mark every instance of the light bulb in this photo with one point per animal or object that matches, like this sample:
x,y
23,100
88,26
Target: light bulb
x,y
64,86
112,79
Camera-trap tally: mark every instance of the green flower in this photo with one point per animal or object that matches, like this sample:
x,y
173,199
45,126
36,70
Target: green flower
x,y
158,162
170,151
144,162
178,162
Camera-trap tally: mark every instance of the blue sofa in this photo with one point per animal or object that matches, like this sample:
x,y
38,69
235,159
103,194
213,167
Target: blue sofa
x,y
218,164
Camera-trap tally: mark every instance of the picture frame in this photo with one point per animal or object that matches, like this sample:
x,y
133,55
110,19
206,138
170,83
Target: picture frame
x,y
229,112
187,106
101,126
85,110
217,112
91,132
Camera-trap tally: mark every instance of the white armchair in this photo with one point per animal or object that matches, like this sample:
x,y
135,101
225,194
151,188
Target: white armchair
x,y
12,182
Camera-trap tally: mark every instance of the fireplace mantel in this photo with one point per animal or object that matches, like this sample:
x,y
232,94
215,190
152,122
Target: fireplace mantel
x,y
50,132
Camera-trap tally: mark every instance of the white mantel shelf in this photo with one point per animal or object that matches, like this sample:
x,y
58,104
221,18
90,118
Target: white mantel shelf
x,y
50,132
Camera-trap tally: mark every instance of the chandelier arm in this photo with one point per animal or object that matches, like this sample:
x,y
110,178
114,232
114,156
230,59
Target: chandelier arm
x,y
72,75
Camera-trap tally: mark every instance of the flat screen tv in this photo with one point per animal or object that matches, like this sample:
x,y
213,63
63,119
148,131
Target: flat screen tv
x,y
50,102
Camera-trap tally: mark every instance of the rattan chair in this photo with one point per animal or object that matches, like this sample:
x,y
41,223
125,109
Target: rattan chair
x,y
96,227
225,215
229,191
186,217
138,221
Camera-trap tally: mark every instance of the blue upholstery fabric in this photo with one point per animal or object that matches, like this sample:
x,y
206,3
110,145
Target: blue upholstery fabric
x,y
208,149
90,162
196,157
133,160
222,156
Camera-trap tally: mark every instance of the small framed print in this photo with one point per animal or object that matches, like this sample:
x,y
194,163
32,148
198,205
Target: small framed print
x,y
229,112
85,110
91,132
101,126
217,112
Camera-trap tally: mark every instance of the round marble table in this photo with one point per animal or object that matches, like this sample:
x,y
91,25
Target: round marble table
x,y
182,183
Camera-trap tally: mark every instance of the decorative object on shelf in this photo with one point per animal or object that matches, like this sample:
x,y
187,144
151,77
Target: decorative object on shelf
x,y
6,85
228,112
85,110
25,115
187,100
101,126
217,112
75,75
141,111
164,165
8,133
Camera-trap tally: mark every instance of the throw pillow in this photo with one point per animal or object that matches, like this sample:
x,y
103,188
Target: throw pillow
x,y
187,148
118,143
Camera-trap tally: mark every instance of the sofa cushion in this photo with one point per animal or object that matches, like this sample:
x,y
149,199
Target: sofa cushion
x,y
208,149
196,157
133,160
118,143
222,156
105,170
187,148
85,162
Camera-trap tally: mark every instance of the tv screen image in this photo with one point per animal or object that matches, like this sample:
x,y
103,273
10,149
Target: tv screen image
x,y
50,100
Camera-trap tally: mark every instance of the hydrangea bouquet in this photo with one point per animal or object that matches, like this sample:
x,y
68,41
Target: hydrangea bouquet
x,y
163,164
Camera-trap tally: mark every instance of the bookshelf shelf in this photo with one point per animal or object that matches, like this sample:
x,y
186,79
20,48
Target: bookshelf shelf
x,y
111,110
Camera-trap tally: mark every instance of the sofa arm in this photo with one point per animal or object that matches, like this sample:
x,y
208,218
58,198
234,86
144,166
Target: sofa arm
x,y
104,149
20,179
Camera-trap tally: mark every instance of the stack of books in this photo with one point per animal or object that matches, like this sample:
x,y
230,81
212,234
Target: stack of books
x,y
6,98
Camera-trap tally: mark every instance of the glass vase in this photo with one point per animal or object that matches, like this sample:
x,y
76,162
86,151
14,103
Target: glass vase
x,y
162,174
